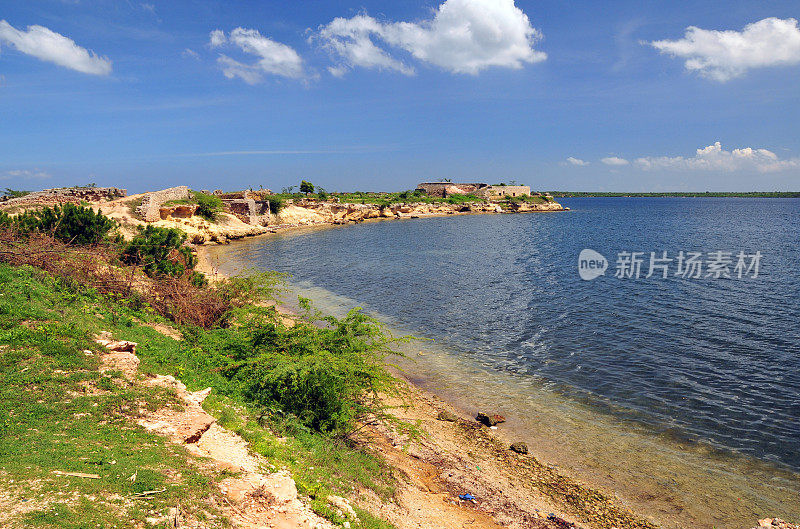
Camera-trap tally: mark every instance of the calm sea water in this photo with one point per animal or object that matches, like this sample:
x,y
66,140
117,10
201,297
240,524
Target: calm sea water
x,y
709,369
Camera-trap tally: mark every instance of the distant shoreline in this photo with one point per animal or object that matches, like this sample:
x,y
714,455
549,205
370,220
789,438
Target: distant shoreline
x,y
747,194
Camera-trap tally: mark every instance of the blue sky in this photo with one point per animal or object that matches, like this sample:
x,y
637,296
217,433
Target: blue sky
x,y
617,96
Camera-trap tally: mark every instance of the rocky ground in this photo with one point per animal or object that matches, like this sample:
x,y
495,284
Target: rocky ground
x,y
433,469
257,495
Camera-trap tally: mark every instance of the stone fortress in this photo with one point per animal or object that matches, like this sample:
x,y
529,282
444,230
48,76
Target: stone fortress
x,y
445,189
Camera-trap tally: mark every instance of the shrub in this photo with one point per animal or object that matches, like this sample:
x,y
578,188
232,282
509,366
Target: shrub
x,y
14,193
275,203
160,252
327,377
69,223
208,205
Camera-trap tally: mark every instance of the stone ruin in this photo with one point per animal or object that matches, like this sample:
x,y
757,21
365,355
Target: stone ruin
x,y
63,195
251,207
150,208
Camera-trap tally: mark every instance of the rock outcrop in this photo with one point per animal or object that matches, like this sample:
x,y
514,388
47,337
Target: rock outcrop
x,y
311,212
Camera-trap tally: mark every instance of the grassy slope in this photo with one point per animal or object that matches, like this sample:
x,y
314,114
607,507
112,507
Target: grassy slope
x,y
58,413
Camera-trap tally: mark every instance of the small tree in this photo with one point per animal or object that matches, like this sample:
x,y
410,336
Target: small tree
x,y
160,252
306,187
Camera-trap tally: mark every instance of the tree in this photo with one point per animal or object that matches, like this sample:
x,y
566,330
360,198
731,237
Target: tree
x,y
160,252
306,187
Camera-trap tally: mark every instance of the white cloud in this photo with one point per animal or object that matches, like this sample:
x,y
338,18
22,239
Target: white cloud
x,y
274,58
723,55
25,174
577,161
464,36
614,160
50,46
188,52
715,158
217,38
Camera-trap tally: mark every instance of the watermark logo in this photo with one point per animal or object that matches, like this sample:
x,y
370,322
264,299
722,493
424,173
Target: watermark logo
x,y
687,265
591,264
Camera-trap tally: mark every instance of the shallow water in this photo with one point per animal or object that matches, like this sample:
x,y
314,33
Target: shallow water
x,y
680,394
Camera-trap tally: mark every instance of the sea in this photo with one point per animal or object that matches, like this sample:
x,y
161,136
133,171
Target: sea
x,y
666,371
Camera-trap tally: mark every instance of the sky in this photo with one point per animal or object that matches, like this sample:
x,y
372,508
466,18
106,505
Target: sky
x,y
368,95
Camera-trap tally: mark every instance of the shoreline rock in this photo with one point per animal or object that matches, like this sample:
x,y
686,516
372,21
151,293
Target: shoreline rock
x,y
490,419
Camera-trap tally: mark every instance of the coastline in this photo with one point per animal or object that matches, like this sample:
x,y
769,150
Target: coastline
x,y
459,455
675,484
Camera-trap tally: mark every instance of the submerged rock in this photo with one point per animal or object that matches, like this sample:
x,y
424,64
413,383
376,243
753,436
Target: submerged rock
x,y
490,419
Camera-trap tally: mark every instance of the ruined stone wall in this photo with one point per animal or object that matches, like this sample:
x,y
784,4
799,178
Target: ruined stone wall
x,y
52,197
255,212
444,189
504,191
149,210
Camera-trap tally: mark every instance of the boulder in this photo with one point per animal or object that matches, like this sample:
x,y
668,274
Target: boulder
x,y
519,447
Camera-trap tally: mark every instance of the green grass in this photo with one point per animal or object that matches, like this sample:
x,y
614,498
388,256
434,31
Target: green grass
x,y
59,413
320,465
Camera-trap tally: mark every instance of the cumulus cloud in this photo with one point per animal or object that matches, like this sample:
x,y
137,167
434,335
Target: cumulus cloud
x,y
723,55
273,58
614,160
577,161
217,38
715,158
464,36
47,45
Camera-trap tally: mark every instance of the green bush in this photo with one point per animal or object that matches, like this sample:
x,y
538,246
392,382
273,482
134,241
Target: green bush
x,y
14,193
208,205
160,252
327,377
68,223
275,204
